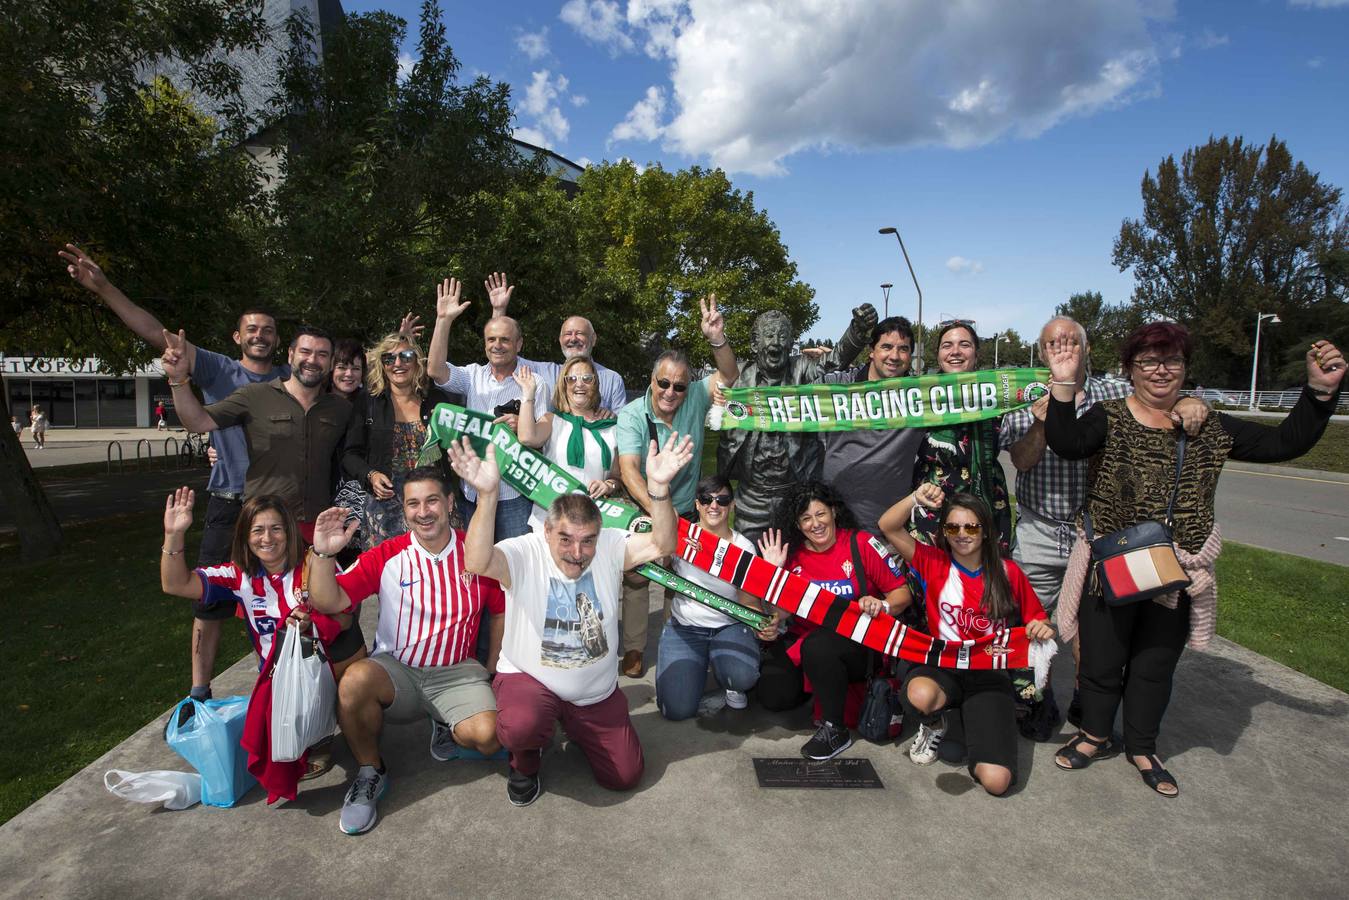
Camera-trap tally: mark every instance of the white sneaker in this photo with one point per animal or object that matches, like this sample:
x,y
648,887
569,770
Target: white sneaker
x,y
736,699
358,809
923,750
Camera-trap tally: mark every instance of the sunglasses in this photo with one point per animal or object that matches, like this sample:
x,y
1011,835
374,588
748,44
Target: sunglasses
x,y
407,356
954,528
584,379
718,499
665,384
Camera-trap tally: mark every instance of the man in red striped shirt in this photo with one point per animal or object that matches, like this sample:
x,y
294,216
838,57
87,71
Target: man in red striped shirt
x,y
422,664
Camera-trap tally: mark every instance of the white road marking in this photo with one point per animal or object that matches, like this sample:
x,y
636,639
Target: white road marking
x,y
1338,538
1293,477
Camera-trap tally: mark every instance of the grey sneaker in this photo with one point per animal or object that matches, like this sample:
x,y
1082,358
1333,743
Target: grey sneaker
x,y
443,747
358,809
736,699
923,750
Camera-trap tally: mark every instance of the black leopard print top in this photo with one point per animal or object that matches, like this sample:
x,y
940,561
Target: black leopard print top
x,y
1131,466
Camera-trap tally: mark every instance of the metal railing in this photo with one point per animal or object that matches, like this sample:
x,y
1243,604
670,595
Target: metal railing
x,y
121,463
1266,400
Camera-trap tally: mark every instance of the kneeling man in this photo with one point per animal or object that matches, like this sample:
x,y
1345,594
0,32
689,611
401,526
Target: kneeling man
x,y
559,649
423,664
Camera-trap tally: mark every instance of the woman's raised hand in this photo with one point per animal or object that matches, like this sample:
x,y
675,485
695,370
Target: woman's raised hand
x,y
525,378
1325,367
178,511
772,549
929,495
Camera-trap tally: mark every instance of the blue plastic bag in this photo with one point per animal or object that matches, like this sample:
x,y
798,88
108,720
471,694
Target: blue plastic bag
x,y
208,738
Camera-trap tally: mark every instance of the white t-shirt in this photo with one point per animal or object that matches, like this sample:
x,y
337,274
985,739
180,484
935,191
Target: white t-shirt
x,y
691,612
563,633
593,470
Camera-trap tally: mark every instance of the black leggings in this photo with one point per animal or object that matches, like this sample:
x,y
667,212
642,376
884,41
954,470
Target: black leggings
x,y
828,659
1129,653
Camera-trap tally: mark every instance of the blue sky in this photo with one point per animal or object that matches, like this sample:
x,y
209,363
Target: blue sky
x,y
1006,141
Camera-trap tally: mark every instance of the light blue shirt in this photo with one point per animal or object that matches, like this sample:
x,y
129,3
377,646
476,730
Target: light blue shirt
x,y
483,392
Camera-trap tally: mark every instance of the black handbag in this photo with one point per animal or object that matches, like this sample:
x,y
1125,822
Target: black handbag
x,y
1139,562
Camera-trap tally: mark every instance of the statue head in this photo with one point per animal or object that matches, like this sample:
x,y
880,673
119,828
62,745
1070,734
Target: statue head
x,y
771,341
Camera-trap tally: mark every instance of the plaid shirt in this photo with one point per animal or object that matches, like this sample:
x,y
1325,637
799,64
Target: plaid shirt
x,y
1055,488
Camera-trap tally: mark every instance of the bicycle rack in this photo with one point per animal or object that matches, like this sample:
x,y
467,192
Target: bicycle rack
x,y
149,452
121,463
178,463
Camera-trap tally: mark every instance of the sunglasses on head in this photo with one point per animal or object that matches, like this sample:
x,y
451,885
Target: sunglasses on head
x,y
407,356
718,499
954,528
584,379
665,384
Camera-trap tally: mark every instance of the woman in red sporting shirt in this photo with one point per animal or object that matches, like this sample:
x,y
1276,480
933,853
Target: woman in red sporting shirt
x,y
818,538
969,591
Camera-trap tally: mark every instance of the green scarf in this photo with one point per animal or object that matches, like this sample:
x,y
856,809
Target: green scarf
x,y
576,443
923,401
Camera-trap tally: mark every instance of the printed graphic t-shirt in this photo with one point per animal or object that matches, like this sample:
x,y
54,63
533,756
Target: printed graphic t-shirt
x,y
563,633
954,595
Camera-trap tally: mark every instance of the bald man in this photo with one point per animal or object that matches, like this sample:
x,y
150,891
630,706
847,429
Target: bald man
x,y
577,338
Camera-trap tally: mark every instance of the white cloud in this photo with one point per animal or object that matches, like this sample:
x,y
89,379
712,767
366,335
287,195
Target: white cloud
x,y
1208,39
579,100
533,44
1319,4
752,82
540,107
643,121
583,161
599,21
1316,62
962,266
405,64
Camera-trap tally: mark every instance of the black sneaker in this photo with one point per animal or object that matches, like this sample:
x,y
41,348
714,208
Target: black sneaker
x,y
522,789
829,741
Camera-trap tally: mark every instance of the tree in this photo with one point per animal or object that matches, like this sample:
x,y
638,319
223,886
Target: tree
x,y
1231,231
94,148
1107,326
387,184
1008,354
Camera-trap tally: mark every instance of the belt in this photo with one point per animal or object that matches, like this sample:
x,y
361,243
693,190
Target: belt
x,y
227,495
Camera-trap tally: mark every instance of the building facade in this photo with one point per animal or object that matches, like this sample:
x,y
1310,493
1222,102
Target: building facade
x,y
81,393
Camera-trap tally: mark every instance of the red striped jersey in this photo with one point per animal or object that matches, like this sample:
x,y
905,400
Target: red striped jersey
x,y
429,607
264,600
954,595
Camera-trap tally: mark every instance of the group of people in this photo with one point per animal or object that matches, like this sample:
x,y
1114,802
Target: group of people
x,y
498,619
37,426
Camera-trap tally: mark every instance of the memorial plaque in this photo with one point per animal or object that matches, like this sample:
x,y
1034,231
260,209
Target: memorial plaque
x,y
795,772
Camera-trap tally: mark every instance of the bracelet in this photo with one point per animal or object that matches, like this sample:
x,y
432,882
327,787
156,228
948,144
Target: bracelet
x,y
321,555
1065,383
174,384
661,499
170,552
717,346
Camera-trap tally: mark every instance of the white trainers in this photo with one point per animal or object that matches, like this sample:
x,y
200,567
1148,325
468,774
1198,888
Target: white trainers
x,y
736,699
923,750
358,809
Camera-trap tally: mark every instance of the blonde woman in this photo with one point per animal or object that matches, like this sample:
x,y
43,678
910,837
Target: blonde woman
x,y
580,436
399,406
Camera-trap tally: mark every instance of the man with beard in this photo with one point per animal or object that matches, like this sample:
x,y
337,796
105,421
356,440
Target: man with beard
x,y
577,338
559,643
292,426
422,664
218,376
767,463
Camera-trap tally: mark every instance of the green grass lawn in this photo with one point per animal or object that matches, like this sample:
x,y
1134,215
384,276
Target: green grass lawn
x,y
1331,453
1288,608
92,651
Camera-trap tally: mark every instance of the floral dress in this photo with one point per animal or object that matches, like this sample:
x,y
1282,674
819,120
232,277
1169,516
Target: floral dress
x,y
384,518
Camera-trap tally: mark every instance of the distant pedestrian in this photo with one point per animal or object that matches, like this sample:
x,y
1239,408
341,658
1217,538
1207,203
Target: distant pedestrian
x,y
160,412
37,423
17,426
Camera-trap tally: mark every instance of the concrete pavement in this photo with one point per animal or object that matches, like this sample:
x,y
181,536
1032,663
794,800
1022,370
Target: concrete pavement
x,y
1260,752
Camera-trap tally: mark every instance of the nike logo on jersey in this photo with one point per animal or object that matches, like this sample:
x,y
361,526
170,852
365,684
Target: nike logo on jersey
x,y
408,583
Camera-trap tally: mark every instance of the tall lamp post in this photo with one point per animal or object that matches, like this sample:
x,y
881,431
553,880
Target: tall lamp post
x,y
885,292
1255,357
998,339
918,351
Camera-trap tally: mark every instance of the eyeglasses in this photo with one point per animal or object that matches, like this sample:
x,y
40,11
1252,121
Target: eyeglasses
x,y
584,379
1151,364
954,528
665,384
718,499
407,356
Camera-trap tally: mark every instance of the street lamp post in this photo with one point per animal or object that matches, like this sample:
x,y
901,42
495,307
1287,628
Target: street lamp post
x,y
918,351
885,292
1255,357
998,339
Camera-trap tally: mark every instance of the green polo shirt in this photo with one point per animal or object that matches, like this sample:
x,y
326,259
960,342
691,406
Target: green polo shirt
x,y
634,435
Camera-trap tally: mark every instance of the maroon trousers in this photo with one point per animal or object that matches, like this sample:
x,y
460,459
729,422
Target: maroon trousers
x,y
527,712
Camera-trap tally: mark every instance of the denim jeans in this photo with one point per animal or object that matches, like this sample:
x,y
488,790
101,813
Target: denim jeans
x,y
685,652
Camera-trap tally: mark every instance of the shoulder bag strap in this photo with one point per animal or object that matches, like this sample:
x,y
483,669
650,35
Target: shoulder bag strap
x,y
862,585
1175,484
